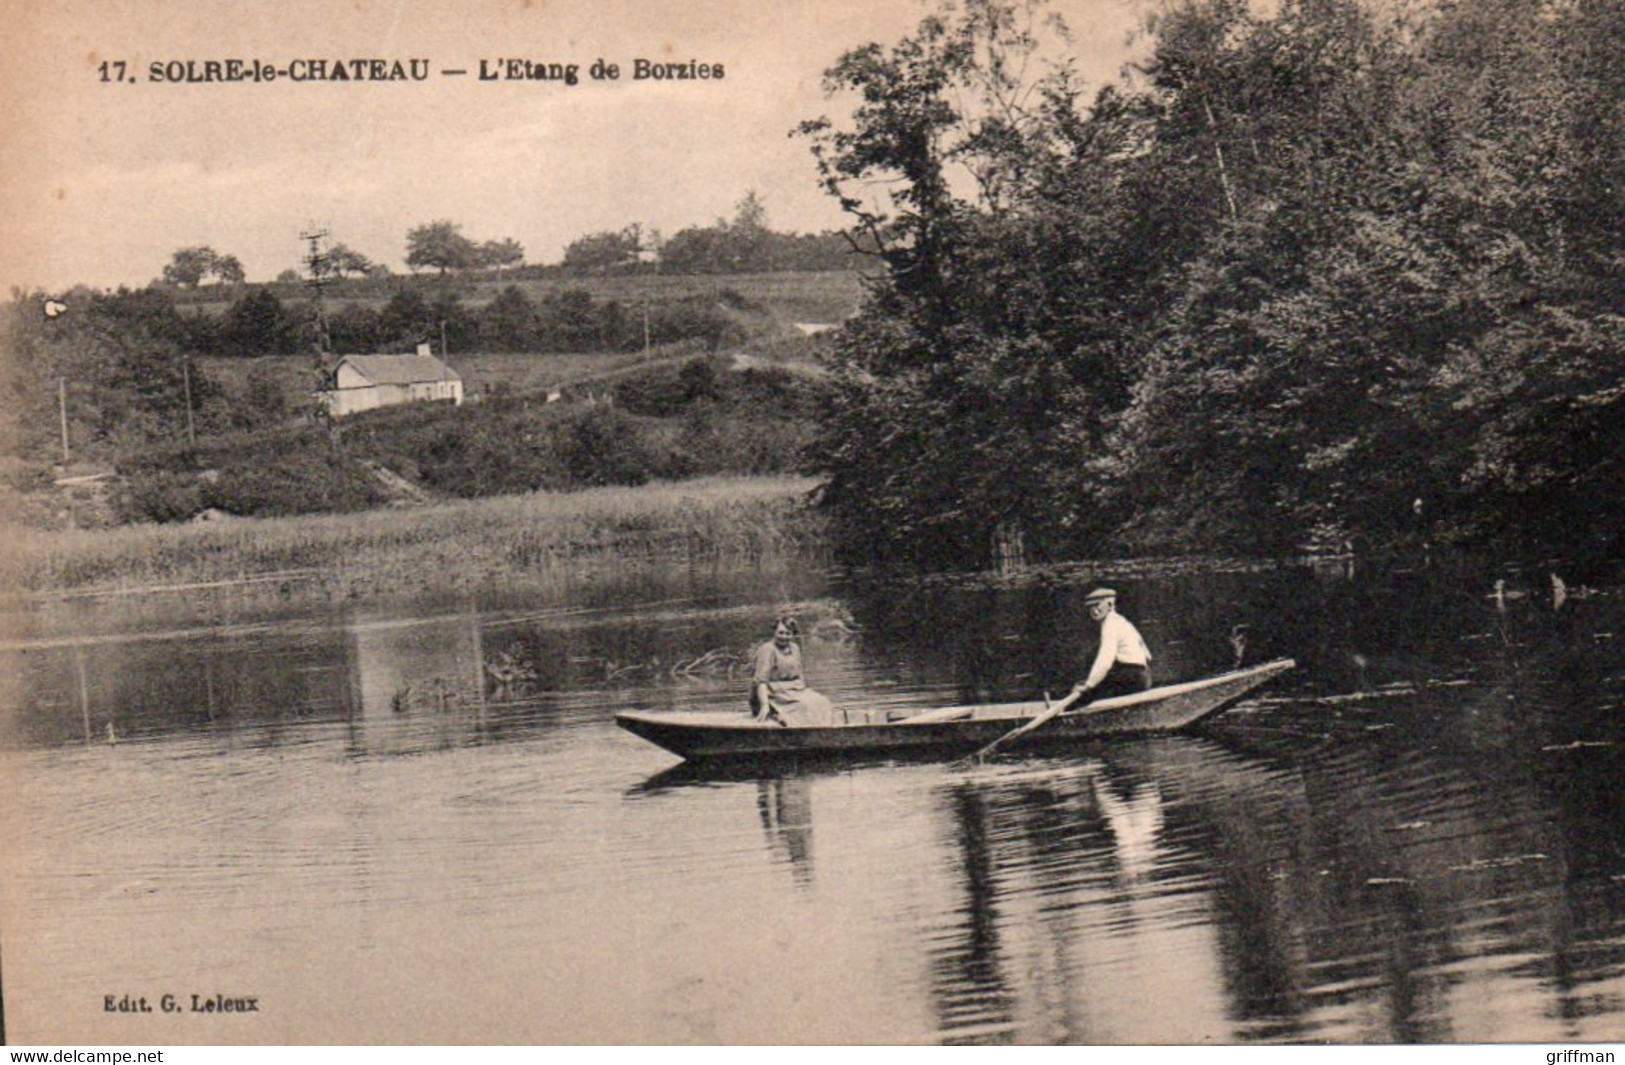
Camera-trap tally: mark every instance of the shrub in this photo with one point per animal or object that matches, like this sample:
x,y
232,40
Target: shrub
x,y
295,483
604,446
158,495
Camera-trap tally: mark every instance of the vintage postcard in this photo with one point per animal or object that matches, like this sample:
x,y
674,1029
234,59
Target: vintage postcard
x,y
523,512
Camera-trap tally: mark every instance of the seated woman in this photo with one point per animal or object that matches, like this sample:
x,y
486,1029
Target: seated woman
x,y
778,691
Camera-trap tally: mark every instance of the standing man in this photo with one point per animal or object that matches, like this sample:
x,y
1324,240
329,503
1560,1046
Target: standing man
x,y
1123,664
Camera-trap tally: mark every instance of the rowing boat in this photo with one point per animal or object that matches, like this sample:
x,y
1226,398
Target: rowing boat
x,y
714,735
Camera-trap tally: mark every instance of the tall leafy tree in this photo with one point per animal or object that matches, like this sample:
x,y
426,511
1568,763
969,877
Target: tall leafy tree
x,y
499,254
345,261
229,270
189,266
441,246
1318,271
987,353
603,252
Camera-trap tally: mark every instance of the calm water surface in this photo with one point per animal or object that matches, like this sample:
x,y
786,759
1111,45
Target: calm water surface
x,y
421,825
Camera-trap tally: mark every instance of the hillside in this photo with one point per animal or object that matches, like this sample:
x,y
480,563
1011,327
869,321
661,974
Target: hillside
x,y
784,298
174,422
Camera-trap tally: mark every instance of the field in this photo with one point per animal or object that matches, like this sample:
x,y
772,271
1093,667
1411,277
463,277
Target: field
x,y
508,542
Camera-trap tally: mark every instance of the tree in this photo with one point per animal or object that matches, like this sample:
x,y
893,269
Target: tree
x,y
1277,401
603,252
973,373
189,266
750,214
440,245
258,325
355,327
1386,293
496,254
344,261
569,320
695,250
454,325
228,270
509,322
1316,261
406,320
130,357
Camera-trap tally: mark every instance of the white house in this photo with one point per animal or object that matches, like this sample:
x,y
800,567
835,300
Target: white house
x,y
365,382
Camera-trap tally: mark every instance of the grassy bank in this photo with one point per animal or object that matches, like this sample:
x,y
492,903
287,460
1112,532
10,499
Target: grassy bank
x,y
454,545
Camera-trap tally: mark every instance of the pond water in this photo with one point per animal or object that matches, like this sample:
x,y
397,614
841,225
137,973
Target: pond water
x,y
420,824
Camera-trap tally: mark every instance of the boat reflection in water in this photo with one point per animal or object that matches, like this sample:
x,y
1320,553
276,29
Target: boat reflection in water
x,y
1081,912
1180,890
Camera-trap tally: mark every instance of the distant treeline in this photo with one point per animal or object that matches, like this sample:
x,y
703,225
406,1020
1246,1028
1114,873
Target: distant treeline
x,y
566,319
1317,273
744,244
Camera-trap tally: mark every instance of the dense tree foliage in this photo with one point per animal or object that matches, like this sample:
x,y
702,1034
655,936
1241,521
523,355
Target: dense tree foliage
x,y
115,365
1315,273
345,261
440,245
499,254
742,245
746,245
257,325
190,266
604,252
710,420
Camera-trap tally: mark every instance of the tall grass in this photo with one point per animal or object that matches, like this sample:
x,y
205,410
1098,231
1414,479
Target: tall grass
x,y
444,546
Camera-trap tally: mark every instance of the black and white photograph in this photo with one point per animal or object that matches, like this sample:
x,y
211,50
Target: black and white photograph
x,y
901,522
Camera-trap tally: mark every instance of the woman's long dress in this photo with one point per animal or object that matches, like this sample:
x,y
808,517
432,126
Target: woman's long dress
x,y
792,701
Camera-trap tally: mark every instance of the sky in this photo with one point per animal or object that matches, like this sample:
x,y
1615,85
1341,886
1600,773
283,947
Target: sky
x,y
104,179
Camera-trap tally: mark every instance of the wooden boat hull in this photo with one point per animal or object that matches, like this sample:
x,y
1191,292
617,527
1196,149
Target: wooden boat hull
x,y
702,736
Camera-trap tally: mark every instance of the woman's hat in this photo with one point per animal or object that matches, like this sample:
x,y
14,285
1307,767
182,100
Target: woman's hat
x,y
1099,594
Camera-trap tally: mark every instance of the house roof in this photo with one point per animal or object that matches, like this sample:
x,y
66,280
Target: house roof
x,y
399,369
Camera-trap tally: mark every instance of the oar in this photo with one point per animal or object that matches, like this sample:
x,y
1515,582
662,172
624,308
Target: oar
x,y
1050,713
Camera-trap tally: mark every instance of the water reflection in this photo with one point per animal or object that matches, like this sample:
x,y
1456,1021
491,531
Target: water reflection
x,y
973,999
785,805
1270,898
1417,836
420,684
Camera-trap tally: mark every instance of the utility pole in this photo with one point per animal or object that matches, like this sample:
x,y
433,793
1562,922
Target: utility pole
x,y
186,376
652,245
318,265
318,270
62,408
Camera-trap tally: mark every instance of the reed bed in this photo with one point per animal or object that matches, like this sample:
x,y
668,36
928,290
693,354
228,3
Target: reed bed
x,y
443,546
